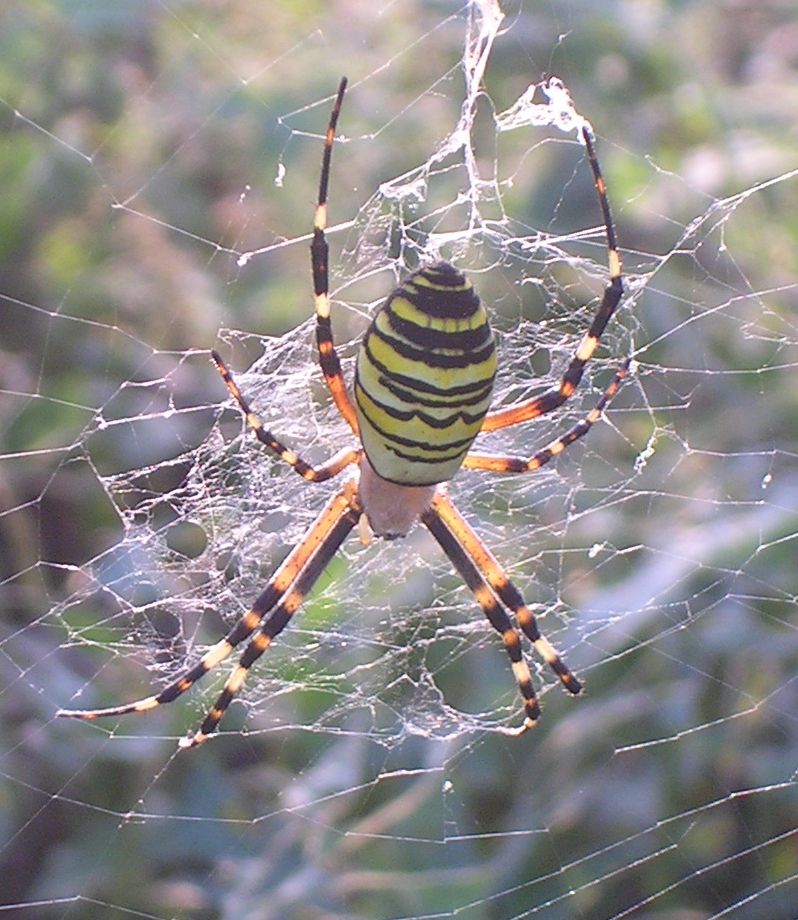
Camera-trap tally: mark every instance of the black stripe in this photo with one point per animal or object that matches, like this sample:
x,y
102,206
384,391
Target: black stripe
x,y
329,361
432,358
451,296
442,304
425,386
457,445
426,337
414,458
609,302
407,415
183,683
409,395
319,260
442,273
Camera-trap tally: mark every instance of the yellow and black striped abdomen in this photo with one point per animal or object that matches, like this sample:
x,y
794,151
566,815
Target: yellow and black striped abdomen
x,y
424,377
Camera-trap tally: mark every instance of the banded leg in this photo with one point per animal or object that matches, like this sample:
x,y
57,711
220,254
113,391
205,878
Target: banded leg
x,y
556,396
274,625
288,573
332,467
497,616
490,569
500,464
319,258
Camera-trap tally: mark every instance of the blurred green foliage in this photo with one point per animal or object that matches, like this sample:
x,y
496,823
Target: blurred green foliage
x,y
140,147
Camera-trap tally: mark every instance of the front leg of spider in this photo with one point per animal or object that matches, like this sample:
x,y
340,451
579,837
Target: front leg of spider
x,y
421,394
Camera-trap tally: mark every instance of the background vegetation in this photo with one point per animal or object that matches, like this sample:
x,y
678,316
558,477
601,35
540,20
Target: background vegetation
x,y
140,146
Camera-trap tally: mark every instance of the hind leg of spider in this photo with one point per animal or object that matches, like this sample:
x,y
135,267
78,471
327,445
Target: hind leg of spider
x,y
480,557
492,609
551,399
274,625
311,545
332,467
502,464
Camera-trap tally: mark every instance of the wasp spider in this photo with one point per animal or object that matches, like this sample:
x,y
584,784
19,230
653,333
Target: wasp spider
x,y
422,391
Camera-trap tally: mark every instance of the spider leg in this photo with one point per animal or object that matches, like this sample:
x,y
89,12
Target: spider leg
x,y
556,396
314,546
319,257
332,467
492,609
480,557
500,464
289,603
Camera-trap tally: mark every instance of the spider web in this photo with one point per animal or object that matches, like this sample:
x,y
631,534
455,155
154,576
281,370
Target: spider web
x,y
160,164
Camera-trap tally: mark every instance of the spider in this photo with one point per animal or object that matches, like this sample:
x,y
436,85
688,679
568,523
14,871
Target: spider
x,y
422,390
